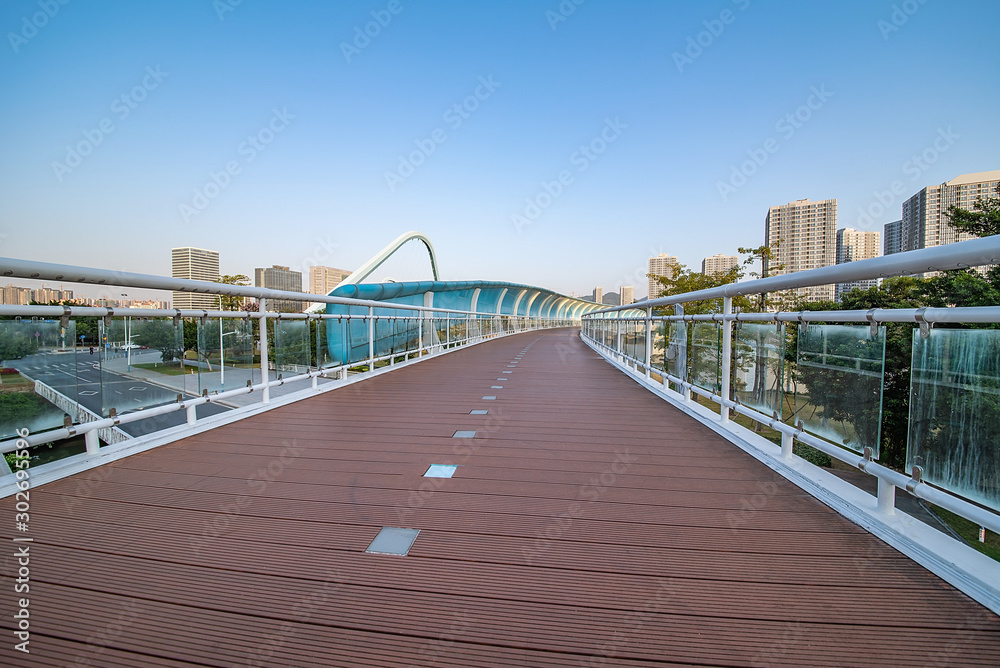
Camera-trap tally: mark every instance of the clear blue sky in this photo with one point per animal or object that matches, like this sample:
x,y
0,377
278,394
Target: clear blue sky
x,y
889,84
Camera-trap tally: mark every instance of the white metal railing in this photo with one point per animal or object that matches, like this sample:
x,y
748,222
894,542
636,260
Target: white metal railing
x,y
639,318
471,327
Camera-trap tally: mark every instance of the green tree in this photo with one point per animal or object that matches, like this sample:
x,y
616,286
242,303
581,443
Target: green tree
x,y
684,280
16,342
983,221
230,302
160,335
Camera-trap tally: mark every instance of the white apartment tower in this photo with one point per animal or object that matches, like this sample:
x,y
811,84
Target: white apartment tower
x,y
599,295
855,245
925,215
196,264
892,238
661,265
718,264
807,232
322,280
627,295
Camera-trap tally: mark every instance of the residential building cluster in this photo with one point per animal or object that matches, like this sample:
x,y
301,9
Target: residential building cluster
x,y
16,295
803,235
201,264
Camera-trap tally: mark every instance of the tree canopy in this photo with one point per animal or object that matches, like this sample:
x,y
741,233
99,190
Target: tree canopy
x,y
983,221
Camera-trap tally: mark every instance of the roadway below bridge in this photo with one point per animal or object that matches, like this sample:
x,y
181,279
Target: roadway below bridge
x,y
99,384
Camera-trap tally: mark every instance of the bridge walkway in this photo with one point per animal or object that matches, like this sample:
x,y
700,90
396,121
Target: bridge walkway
x,y
587,524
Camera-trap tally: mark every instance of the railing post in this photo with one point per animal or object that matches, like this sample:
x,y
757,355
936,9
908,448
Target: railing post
x,y
649,341
681,355
192,416
618,337
371,338
727,353
787,445
447,329
262,310
91,441
886,497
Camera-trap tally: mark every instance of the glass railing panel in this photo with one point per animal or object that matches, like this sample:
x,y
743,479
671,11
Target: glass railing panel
x,y
704,358
758,366
412,325
676,353
459,327
323,358
658,350
640,341
441,328
384,339
838,384
292,347
225,355
126,384
39,375
954,428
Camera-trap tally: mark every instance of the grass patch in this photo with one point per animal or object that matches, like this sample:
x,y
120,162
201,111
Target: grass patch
x,y
970,532
165,369
14,380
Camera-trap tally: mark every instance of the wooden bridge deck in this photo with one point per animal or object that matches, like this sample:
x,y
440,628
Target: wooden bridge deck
x,y
588,524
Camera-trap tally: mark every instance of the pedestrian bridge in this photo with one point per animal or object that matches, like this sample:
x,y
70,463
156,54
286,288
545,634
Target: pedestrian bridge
x,y
482,482
586,523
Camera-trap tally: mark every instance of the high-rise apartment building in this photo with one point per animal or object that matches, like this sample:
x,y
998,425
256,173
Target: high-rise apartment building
x,y
627,295
892,238
719,264
195,264
598,295
278,277
807,232
322,280
853,245
925,214
661,265
15,296
45,295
